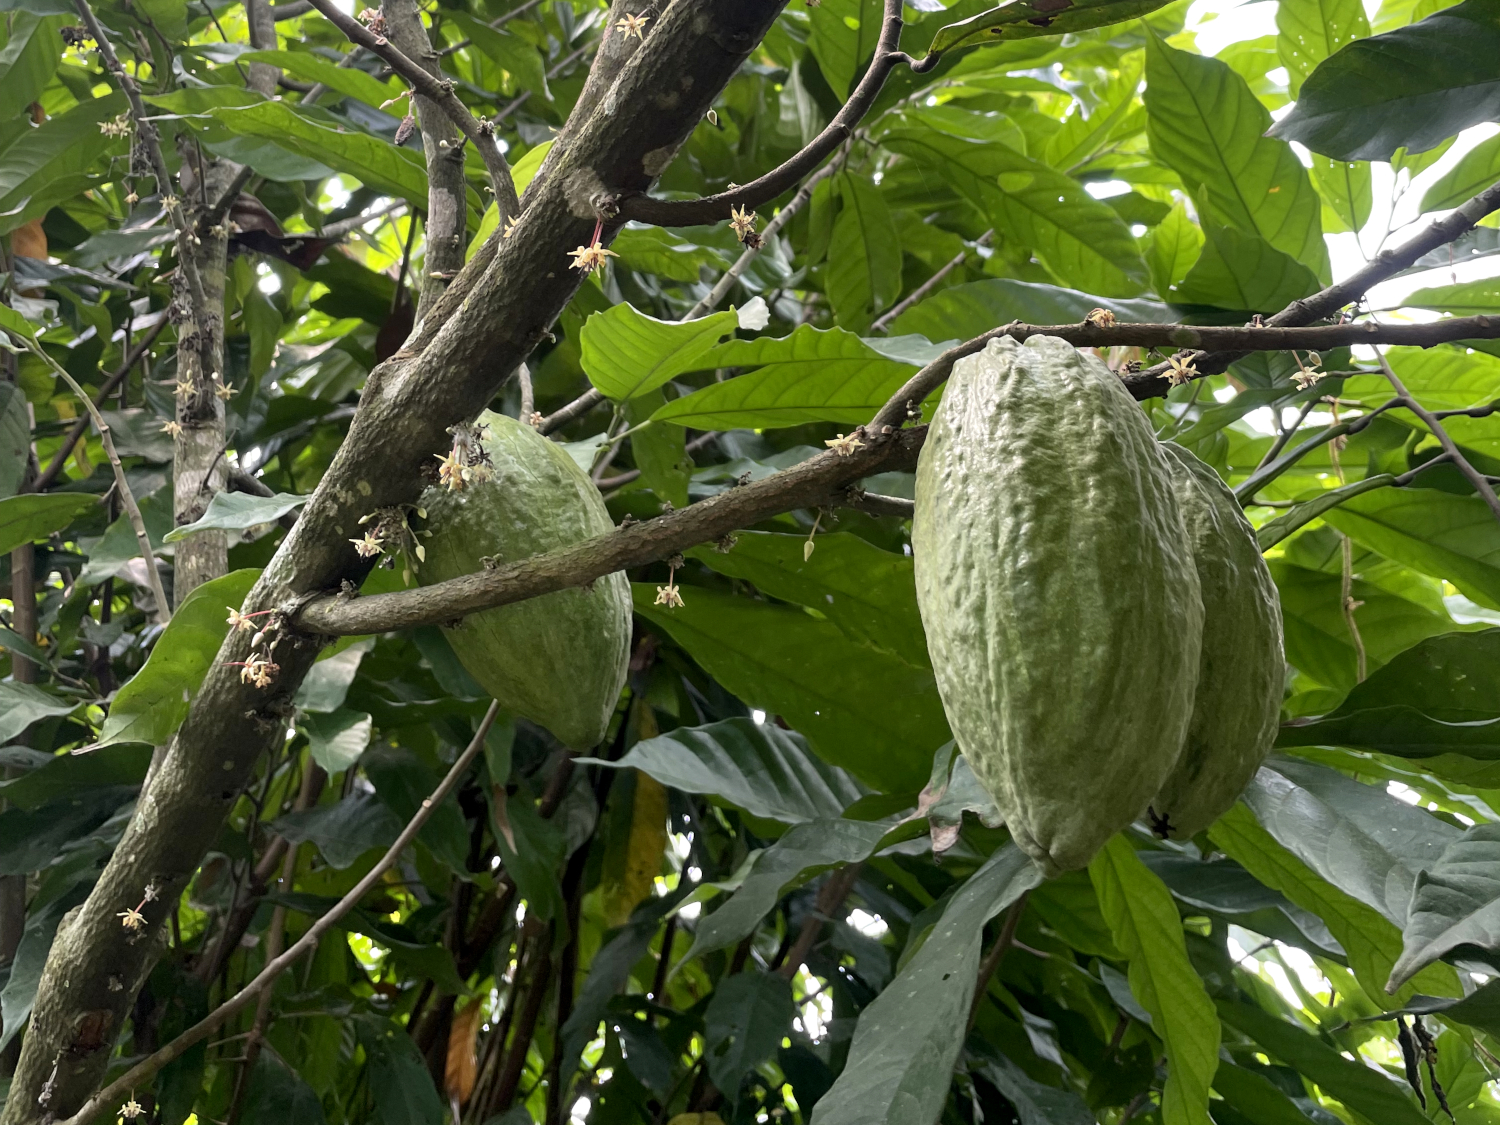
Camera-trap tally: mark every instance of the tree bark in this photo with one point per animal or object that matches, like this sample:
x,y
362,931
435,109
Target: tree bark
x,y
503,303
23,671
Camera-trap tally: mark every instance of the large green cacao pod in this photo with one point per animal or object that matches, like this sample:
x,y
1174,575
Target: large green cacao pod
x,y
1242,669
1058,593
560,659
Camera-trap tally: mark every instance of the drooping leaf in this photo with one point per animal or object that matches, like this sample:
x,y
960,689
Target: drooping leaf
x,y
1035,1102
659,251
345,830
153,704
1148,930
1476,170
59,152
1410,88
237,511
627,353
749,1015
758,767
1207,126
1308,31
844,34
909,1036
347,80
402,1089
868,593
1237,270
863,275
23,704
337,739
403,781
1274,531
1434,698
66,775
278,1093
1077,237
31,955
33,515
875,716
510,50
1455,904
1032,18
32,838
27,61
804,851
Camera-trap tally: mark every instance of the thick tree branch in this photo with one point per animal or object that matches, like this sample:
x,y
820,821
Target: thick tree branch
x,y
716,208
1153,383
440,93
137,1075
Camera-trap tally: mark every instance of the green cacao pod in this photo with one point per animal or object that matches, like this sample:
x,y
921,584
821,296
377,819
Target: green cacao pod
x,y
1241,670
1058,593
560,659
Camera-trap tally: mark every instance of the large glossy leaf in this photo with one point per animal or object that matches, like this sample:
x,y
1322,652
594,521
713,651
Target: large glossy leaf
x,y
1468,298
347,80
1476,170
1031,205
237,511
1437,533
844,34
1172,249
58,151
744,1023
402,1089
965,311
1028,19
1360,1087
908,1037
872,714
1243,271
1437,697
1346,191
1455,905
278,1093
32,838
345,830
1252,1097
809,376
1207,126
36,515
1371,943
23,704
510,50
27,61
1308,31
805,850
1274,531
1411,88
758,767
863,275
153,704
627,353
1442,378
1358,837
868,593
1082,135
1147,929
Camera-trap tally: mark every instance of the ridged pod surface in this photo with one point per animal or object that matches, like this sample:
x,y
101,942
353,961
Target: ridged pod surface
x,y
1058,593
1242,668
558,660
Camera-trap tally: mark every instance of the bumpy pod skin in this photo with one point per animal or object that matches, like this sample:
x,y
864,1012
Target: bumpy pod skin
x,y
558,660
1242,668
1058,593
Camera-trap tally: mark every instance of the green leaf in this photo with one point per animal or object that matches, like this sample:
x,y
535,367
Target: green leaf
x,y
1437,533
659,251
1455,904
23,704
844,34
1361,839
745,1021
1448,377
1346,191
337,739
964,311
875,716
400,1084
152,705
758,767
404,782
1148,930
347,80
57,153
1476,170
810,376
34,515
65,775
1035,1103
30,957
1362,1088
659,450
1481,1008
1206,125
1082,136
907,1040
375,162
30,839
1027,19
1370,942
1274,531
512,52
278,1093
1469,298
1411,88
1243,271
327,682
536,857
12,321
1255,1097
868,593
627,353
237,511
1172,248
864,257
1031,205
344,830
27,62
1311,30
1434,698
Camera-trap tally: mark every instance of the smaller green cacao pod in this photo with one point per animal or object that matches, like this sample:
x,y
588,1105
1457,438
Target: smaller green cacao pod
x,y
1242,668
560,659
1058,594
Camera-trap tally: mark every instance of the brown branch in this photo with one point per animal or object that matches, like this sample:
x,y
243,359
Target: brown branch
x,y
716,208
997,952
495,23
137,1075
931,283
1475,477
817,482
1153,383
440,93
831,896
49,475
539,969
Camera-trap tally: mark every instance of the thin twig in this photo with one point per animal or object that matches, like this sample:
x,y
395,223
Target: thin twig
x,y
992,959
1475,477
127,498
931,283
440,92
520,99
138,1074
830,898
1287,434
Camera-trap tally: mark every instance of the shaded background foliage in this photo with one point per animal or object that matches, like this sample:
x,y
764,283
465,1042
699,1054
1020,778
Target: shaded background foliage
x,y
731,910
